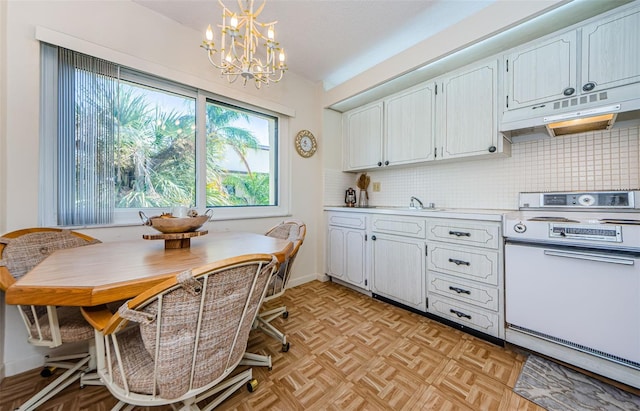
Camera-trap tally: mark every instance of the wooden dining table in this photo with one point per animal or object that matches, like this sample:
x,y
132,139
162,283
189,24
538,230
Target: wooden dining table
x,y
112,271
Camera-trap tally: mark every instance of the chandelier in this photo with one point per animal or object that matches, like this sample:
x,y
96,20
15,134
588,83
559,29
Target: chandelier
x,y
245,50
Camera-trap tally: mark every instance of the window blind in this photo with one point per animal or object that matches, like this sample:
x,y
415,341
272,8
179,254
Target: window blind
x,y
87,127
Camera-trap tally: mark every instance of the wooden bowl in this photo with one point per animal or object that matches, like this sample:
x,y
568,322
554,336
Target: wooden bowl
x,y
170,225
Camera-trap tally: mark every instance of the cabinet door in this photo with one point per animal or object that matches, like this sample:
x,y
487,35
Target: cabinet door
x,y
468,112
346,256
398,271
409,126
611,51
363,137
542,72
355,258
336,249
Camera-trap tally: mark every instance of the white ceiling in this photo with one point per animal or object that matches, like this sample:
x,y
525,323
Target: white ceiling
x,y
334,40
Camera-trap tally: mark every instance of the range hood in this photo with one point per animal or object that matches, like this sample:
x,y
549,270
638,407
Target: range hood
x,y
600,118
579,114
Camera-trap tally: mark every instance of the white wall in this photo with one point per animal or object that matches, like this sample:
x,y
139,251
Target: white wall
x,y
162,47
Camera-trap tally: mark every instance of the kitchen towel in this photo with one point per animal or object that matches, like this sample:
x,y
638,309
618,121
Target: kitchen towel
x,y
558,388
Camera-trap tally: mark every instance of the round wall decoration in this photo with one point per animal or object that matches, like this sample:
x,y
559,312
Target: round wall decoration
x,y
306,144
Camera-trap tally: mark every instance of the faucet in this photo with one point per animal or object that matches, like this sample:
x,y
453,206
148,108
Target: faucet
x,y
413,205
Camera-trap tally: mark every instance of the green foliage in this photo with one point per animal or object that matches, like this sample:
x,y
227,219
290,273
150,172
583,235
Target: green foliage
x,y
155,155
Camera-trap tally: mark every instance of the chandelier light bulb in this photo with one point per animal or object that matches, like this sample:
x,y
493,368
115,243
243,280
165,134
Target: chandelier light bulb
x,y
281,56
234,22
271,33
209,34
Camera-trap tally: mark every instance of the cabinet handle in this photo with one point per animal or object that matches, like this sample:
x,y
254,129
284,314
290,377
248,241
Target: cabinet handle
x,y
386,163
568,91
460,314
492,149
459,262
459,234
589,86
459,290
379,163
373,238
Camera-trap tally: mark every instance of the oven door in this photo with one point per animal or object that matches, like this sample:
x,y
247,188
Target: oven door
x,y
582,298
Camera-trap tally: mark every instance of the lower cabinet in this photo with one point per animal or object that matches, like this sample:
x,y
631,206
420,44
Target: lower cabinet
x,y
444,267
398,266
465,274
346,249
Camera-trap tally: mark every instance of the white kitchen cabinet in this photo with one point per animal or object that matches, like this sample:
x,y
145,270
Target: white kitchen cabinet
x,y
362,134
467,112
465,277
611,51
398,269
410,126
398,130
557,68
346,248
541,72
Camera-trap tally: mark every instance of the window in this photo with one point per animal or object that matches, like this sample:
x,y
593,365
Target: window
x,y
116,141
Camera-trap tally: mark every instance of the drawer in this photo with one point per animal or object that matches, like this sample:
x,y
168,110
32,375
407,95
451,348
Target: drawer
x,y
398,225
473,317
473,233
469,263
350,220
483,296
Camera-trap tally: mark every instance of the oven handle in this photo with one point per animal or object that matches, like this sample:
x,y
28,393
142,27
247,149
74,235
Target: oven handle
x,y
590,257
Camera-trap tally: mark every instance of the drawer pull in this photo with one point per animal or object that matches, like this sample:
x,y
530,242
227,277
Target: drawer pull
x,y
459,262
459,234
459,290
460,314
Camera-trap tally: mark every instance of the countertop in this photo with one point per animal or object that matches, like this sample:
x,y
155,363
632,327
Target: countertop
x,y
462,213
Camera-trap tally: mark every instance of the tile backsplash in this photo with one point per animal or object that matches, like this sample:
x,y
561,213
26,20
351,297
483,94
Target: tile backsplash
x,y
600,160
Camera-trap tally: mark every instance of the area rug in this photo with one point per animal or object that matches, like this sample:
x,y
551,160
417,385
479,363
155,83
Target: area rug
x,y
558,388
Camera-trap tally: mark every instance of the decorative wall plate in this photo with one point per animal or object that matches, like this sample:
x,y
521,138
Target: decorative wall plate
x,y
306,144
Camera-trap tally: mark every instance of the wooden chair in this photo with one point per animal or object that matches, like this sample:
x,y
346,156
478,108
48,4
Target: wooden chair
x,y
179,341
294,231
47,326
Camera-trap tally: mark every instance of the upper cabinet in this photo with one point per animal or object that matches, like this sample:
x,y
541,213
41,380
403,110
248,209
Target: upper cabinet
x,y
410,126
362,129
467,120
398,130
611,52
591,58
452,117
541,72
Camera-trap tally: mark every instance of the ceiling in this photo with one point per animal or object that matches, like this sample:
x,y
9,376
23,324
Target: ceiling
x,y
331,41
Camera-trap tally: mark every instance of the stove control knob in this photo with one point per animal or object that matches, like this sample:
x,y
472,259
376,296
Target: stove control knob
x,y
519,228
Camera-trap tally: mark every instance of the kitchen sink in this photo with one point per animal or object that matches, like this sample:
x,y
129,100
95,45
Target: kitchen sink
x,y
417,210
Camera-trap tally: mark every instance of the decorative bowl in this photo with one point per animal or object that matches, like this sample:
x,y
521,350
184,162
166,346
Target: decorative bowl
x,y
168,224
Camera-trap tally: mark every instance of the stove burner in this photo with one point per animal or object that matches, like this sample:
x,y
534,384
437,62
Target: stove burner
x,y
619,221
554,219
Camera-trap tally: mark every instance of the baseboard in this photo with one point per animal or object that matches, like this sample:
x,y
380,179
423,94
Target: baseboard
x,y
2,372
293,282
12,368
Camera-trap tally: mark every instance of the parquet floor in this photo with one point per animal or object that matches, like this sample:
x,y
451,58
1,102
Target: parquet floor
x,y
348,352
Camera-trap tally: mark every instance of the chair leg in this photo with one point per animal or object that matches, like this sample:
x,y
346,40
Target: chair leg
x,y
226,388
60,383
263,321
256,360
